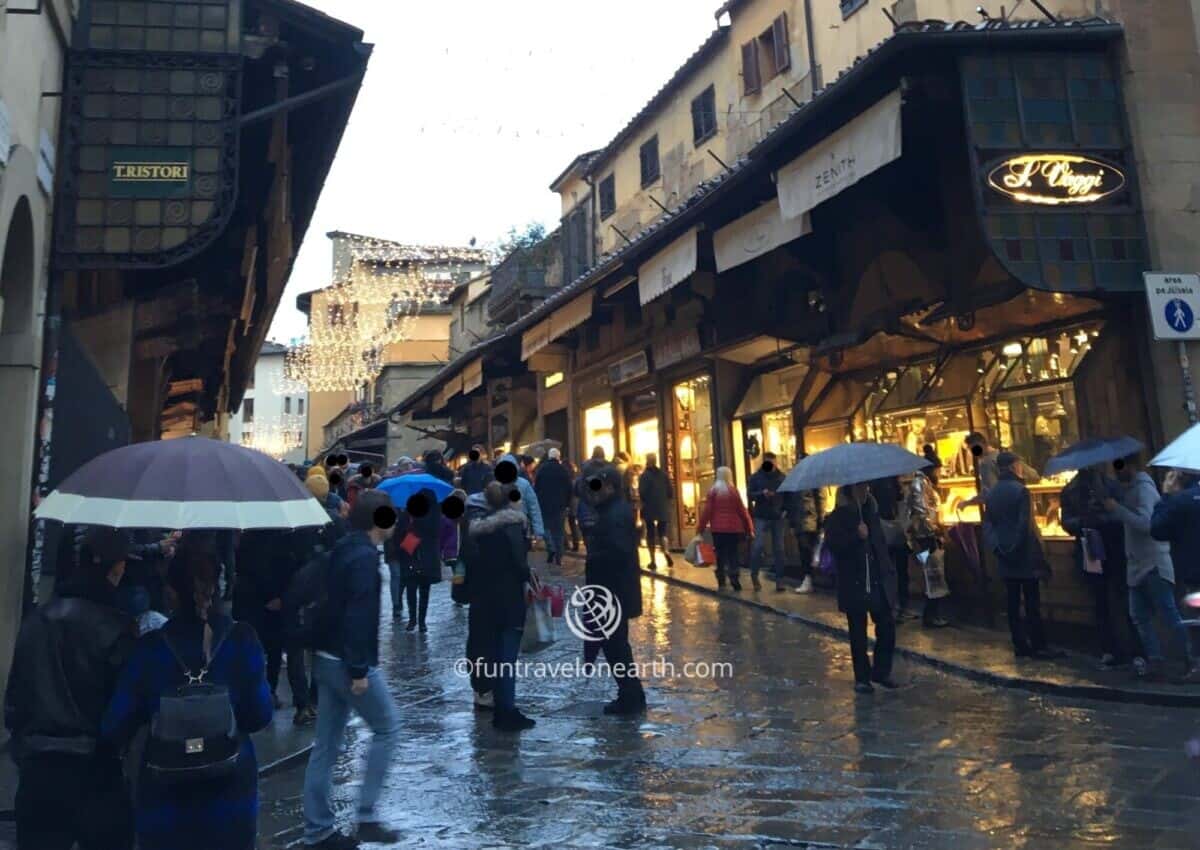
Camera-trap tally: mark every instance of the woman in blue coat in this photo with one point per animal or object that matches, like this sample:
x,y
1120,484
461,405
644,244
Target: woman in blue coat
x,y
202,814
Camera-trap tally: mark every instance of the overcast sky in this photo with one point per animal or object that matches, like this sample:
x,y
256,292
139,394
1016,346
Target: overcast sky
x,y
471,108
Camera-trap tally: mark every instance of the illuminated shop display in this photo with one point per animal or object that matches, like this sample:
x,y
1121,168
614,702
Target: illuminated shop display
x,y
598,429
1020,393
695,466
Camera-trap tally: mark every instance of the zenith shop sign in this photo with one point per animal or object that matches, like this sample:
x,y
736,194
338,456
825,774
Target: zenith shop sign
x,y
1056,178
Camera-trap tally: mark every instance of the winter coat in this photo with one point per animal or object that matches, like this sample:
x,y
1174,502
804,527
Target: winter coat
x,y
612,555
440,471
1080,510
584,510
805,511
1135,509
1009,532
553,488
353,605
766,507
529,500
924,523
448,539
1176,520
725,513
852,555
425,562
475,475
266,564
83,633
211,814
498,568
654,490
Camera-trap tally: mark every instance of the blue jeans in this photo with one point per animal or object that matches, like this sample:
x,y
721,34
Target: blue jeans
x,y
1156,593
508,646
396,586
337,701
763,527
555,532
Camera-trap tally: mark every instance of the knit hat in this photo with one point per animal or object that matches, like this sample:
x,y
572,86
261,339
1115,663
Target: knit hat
x,y
315,469
1006,460
318,485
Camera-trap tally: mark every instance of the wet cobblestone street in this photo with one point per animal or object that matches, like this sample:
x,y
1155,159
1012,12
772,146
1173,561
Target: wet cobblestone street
x,y
780,753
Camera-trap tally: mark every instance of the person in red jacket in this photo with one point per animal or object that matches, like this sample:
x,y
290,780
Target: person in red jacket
x,y
726,516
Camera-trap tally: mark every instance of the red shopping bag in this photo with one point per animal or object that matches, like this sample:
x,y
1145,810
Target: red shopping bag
x,y
557,597
708,555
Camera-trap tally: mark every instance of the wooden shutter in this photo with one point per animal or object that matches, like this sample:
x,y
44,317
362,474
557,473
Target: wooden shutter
x,y
751,78
779,38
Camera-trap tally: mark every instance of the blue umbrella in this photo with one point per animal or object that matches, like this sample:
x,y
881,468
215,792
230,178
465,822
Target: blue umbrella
x,y
404,487
1091,453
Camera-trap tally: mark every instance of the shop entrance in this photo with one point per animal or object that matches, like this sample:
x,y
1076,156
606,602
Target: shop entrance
x,y
641,426
690,451
598,430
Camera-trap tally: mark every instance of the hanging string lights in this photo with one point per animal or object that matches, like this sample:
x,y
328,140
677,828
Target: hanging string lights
x,y
276,438
380,290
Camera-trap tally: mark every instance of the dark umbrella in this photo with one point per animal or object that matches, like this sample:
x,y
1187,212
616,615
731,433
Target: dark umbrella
x,y
1092,452
191,482
851,463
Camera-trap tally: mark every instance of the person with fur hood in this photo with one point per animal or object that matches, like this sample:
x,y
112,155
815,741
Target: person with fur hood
x,y
497,571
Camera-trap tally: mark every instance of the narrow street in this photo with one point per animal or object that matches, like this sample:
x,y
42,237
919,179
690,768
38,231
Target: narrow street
x,y
780,754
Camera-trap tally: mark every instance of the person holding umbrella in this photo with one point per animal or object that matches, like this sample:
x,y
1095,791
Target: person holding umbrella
x,y
866,583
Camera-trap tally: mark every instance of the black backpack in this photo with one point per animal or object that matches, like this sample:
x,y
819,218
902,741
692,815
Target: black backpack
x,y
306,604
194,735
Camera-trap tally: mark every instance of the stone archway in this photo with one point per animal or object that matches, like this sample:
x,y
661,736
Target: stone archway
x,y
17,274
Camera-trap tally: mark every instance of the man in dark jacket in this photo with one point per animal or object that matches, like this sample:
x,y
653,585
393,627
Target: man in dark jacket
x,y
654,490
612,564
1009,533
585,509
497,571
766,507
65,667
1176,520
866,583
476,473
553,486
435,465
345,668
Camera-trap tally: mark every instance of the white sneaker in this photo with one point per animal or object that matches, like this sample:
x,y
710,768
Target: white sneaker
x,y
485,702
805,586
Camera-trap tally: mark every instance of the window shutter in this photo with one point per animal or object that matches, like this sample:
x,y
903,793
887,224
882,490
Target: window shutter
x,y
751,79
779,37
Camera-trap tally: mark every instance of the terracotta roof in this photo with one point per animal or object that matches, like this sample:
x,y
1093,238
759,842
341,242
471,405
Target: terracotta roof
x,y
579,163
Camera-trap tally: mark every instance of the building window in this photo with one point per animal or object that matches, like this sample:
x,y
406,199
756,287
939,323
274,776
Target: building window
x,y
649,158
250,380
608,196
849,7
766,57
247,438
704,117
553,380
248,410
287,404
575,243
300,406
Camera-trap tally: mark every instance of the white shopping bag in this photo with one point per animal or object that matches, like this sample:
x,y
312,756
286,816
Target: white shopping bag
x,y
539,626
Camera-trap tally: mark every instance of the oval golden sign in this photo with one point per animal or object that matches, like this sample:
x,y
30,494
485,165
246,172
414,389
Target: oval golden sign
x,y
1056,178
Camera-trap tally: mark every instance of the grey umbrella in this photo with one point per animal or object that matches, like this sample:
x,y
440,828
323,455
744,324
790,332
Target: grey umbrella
x,y
1092,452
192,482
851,463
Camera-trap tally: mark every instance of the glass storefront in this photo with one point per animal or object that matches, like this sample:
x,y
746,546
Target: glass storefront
x,y
598,429
1020,393
763,423
691,449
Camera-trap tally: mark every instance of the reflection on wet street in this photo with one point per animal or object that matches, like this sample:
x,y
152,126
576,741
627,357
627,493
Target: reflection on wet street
x,y
780,753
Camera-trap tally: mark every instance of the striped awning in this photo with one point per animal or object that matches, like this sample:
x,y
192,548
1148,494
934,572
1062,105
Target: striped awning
x,y
563,320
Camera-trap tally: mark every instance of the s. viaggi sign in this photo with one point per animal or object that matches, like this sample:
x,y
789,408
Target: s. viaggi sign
x,y
1056,178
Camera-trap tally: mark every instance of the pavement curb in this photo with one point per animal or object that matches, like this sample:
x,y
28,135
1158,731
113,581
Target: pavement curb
x,y
987,677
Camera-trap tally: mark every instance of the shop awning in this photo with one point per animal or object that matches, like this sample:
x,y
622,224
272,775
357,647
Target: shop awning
x,y
449,390
563,320
756,233
668,268
864,145
472,376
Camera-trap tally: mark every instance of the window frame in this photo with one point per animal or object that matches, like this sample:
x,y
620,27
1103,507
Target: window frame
x,y
701,135
650,143
608,187
247,410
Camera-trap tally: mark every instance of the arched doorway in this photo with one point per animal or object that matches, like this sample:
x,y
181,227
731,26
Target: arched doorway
x,y
17,273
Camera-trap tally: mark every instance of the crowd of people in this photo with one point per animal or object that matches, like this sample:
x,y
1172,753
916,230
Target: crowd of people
x,y
135,691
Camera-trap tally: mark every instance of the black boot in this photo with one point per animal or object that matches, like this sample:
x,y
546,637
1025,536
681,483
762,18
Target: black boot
x,y
629,702
667,555
411,627
512,721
